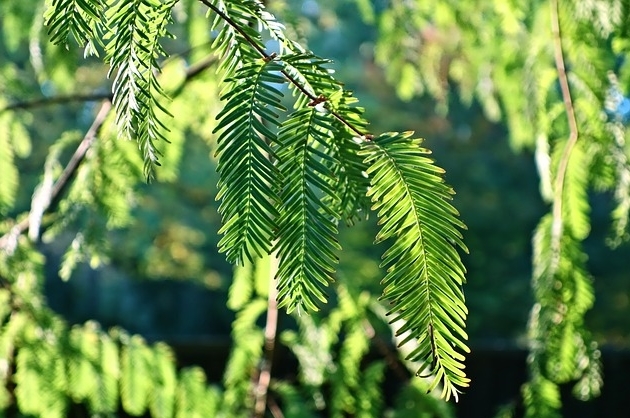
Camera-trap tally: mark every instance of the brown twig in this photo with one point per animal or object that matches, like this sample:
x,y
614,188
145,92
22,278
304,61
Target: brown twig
x,y
271,332
556,229
9,239
391,358
64,99
64,179
314,98
275,410
192,72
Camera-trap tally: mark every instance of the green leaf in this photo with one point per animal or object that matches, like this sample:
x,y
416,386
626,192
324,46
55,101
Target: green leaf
x,y
307,228
424,270
162,398
135,387
247,175
135,30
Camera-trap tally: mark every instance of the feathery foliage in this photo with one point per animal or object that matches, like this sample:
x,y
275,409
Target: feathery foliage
x,y
425,274
306,146
556,73
56,364
133,53
245,162
291,166
306,227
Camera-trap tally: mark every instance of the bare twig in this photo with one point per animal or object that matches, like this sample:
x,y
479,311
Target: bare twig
x,y
271,331
64,99
64,179
275,410
556,229
192,72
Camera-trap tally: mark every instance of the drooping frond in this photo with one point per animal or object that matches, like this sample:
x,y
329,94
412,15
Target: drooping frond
x,y
541,397
135,389
576,208
306,228
425,273
162,400
136,28
248,176
248,342
10,174
352,179
76,18
194,399
564,292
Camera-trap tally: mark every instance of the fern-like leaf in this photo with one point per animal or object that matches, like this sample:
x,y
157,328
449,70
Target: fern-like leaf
x,y
562,348
133,50
135,383
248,175
575,192
10,174
76,18
425,273
162,399
307,228
235,51
193,397
541,398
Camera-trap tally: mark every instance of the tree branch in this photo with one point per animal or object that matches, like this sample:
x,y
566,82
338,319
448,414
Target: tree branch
x,y
556,229
192,72
8,241
46,101
313,97
271,328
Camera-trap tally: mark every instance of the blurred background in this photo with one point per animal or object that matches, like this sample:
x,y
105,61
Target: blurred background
x,y
166,281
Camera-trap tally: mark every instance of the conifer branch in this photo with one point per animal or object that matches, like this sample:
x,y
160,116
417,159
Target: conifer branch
x,y
556,228
314,98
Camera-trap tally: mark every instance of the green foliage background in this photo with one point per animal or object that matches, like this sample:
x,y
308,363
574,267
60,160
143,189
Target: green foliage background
x,y
163,231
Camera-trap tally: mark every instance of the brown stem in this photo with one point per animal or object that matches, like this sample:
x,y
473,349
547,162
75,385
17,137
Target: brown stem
x,y
313,97
556,231
64,179
46,101
275,410
391,358
271,332
191,73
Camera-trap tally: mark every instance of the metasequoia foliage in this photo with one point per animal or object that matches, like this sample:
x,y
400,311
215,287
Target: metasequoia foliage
x,y
287,178
56,364
556,74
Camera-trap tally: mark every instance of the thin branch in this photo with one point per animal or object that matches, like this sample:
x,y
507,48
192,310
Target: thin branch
x,y
192,72
64,99
556,229
391,358
275,410
271,332
8,241
314,98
